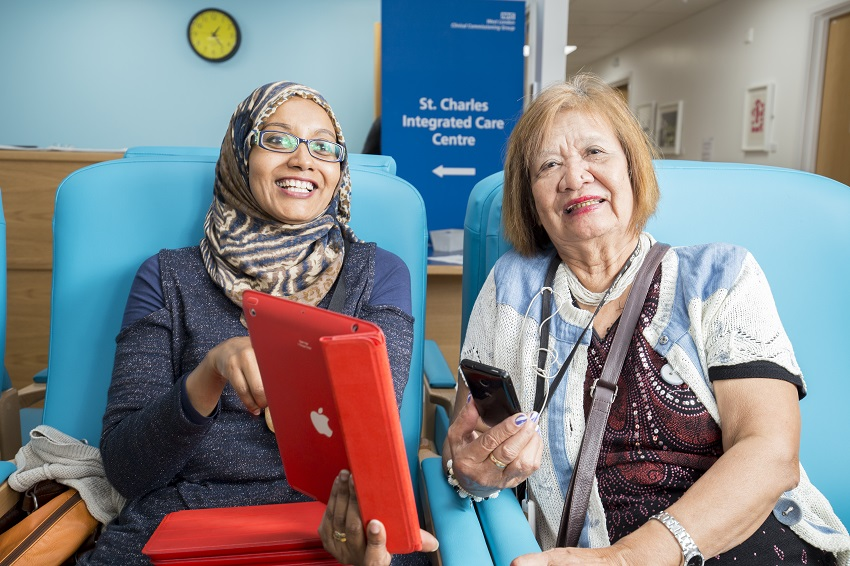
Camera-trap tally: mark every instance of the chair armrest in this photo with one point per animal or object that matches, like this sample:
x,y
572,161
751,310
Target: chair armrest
x,y
32,393
439,395
452,520
505,528
40,377
440,376
6,469
440,384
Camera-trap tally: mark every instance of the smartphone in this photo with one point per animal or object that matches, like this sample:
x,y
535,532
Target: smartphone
x,y
492,390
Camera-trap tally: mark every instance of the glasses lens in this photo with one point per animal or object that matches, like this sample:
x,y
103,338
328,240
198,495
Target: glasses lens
x,y
280,141
325,150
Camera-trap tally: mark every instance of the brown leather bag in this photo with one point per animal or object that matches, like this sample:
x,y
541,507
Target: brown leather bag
x,y
50,534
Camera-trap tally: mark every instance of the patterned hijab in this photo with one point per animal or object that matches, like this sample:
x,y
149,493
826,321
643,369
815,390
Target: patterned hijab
x,y
244,247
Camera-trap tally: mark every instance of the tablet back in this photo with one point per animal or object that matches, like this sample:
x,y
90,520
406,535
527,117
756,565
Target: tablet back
x,y
329,387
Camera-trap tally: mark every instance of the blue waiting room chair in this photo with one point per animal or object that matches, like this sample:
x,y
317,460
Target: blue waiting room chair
x,y
796,224
115,214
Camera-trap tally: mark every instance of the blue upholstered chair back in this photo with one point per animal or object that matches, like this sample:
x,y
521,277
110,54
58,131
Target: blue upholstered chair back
x,y
797,225
384,163
111,216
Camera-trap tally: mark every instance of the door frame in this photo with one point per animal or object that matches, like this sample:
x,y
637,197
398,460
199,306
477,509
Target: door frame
x,y
819,34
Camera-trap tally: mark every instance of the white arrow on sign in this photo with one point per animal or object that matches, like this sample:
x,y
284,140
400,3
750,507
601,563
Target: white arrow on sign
x,y
461,171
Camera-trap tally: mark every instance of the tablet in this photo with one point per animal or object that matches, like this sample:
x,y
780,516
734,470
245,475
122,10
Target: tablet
x,y
329,387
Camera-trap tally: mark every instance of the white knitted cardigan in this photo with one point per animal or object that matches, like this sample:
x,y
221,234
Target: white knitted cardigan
x,y
53,455
499,333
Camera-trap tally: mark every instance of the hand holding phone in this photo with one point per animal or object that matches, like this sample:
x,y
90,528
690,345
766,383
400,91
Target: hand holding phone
x,y
491,389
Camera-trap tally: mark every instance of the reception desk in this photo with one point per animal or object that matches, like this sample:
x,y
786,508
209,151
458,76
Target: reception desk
x,y
28,182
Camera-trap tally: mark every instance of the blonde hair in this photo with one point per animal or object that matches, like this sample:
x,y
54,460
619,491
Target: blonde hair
x,y
586,93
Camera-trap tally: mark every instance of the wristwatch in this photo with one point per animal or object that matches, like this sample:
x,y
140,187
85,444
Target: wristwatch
x,y
690,552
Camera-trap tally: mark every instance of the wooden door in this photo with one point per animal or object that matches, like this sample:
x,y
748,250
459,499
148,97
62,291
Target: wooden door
x,y
834,134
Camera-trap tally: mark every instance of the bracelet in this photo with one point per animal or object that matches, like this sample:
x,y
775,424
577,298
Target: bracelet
x,y
462,492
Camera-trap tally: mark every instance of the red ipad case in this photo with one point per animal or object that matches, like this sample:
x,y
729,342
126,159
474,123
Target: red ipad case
x,y
265,534
360,370
329,387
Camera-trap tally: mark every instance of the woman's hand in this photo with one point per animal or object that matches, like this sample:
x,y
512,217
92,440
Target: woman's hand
x,y
485,459
233,361
342,533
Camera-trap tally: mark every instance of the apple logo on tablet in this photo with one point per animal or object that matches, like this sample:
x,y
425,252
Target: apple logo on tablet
x,y
320,423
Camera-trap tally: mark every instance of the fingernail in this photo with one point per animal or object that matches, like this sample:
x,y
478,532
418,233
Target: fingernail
x,y
344,475
374,527
537,430
534,416
469,398
521,418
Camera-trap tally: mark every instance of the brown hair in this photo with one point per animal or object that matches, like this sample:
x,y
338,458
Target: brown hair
x,y
587,93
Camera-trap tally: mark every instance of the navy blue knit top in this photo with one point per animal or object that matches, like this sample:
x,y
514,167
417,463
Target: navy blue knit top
x,y
163,460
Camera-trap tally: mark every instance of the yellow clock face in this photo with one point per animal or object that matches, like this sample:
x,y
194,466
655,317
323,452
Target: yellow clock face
x,y
214,35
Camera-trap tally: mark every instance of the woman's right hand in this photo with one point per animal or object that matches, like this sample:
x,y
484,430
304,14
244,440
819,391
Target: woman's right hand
x,y
477,452
233,361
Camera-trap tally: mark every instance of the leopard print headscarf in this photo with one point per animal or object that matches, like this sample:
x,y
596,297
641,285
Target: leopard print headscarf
x,y
246,248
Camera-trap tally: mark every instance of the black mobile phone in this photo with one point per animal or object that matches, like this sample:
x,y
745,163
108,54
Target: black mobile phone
x,y
491,389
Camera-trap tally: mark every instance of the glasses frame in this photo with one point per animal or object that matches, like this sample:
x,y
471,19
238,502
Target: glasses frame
x,y
257,139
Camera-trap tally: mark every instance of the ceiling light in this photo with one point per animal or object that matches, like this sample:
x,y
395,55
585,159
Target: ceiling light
x,y
569,49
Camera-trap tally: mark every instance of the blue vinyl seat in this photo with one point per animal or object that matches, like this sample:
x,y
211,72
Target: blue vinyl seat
x,y
111,216
797,225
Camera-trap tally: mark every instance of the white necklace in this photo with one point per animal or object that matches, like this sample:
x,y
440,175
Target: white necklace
x,y
581,294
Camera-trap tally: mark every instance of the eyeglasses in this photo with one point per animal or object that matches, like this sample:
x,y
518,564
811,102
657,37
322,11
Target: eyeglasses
x,y
283,142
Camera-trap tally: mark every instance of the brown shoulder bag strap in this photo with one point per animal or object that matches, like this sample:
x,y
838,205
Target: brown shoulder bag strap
x,y
603,391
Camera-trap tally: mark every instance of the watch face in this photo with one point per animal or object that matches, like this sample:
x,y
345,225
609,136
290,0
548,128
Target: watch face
x,y
695,561
214,35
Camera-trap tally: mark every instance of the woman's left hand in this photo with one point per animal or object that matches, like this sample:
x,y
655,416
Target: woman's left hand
x,y
342,531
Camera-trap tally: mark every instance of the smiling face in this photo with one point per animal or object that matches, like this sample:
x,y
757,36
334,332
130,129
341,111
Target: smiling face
x,y
580,183
294,188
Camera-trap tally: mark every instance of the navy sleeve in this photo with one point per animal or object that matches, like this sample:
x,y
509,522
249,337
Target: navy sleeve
x,y
392,282
145,293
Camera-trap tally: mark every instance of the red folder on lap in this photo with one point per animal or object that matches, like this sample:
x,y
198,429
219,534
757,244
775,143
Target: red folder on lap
x,y
264,534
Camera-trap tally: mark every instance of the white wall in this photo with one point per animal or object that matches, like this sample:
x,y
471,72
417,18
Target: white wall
x,y
110,74
706,62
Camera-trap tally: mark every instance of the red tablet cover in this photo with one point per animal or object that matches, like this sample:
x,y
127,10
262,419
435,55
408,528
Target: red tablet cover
x,y
285,533
329,386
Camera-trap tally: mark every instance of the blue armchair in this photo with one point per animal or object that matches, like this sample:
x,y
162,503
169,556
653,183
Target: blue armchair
x,y
120,212
796,224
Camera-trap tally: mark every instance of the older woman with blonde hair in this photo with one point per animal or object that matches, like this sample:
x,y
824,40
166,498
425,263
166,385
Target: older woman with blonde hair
x,y
698,459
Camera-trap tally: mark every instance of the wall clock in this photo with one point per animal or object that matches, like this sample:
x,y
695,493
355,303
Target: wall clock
x,y
214,35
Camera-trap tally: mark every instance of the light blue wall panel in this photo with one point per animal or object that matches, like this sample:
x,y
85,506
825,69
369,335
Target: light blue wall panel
x,y
110,74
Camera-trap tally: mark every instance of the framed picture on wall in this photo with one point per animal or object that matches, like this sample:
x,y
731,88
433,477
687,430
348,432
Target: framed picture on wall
x,y
758,117
645,114
668,126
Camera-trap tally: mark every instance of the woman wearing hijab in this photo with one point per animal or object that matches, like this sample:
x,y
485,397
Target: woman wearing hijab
x,y
182,428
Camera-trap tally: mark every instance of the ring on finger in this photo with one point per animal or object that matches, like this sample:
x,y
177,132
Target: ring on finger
x,y
499,464
341,537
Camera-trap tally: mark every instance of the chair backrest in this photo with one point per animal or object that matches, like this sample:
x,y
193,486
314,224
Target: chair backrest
x,y
355,160
796,224
111,216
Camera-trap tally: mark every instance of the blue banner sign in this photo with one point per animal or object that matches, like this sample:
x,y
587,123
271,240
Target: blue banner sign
x,y
452,86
